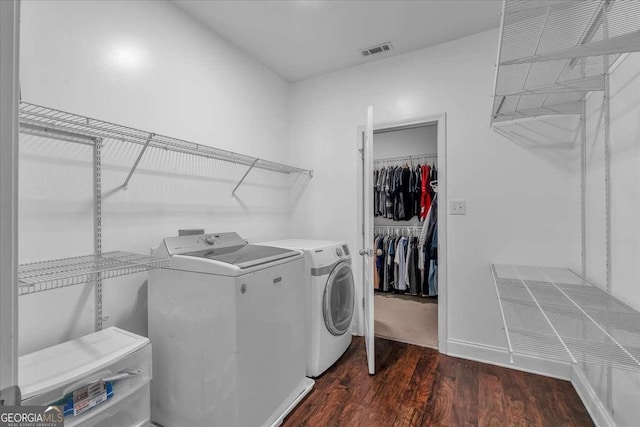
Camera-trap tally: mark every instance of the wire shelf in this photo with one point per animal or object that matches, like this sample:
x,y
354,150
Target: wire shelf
x,y
47,275
49,120
555,313
552,53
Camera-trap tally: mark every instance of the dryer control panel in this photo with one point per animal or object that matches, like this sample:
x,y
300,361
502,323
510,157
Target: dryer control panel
x,y
186,244
342,252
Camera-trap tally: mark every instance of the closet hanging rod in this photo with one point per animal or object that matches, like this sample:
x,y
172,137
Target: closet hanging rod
x,y
397,227
51,121
410,230
403,158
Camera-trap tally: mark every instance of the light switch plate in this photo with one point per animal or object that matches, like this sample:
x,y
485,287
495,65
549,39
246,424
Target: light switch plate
x,y
457,207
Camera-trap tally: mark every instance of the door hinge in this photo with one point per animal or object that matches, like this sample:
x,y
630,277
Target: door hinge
x,y
10,396
363,303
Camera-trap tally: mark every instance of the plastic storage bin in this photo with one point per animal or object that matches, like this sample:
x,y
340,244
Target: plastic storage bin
x,y
48,375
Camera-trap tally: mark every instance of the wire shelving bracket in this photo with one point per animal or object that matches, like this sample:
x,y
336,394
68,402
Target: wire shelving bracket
x,y
233,192
555,313
135,164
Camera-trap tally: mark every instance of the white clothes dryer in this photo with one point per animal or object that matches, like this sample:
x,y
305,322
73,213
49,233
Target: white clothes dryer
x,y
330,299
226,323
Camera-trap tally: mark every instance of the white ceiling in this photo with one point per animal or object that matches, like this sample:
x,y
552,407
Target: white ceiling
x,y
302,38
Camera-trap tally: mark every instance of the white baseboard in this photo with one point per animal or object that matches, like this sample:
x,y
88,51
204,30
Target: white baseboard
x,y
500,357
599,413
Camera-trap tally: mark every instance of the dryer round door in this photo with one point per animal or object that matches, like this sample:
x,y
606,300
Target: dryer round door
x,y
338,300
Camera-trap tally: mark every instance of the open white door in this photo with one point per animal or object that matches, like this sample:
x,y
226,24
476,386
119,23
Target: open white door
x,y
9,98
367,250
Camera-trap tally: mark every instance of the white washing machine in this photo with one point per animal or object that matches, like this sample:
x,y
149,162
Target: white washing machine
x,y
226,322
330,299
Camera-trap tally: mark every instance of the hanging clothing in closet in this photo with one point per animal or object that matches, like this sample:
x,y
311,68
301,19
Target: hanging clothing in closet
x,y
400,261
409,264
406,262
425,201
416,190
428,243
401,192
402,264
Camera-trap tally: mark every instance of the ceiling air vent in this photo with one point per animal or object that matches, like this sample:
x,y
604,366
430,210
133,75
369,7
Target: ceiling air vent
x,y
384,47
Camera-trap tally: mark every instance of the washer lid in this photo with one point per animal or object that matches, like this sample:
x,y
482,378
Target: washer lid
x,y
245,256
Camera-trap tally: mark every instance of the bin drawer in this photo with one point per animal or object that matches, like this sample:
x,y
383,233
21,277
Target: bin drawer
x,y
129,407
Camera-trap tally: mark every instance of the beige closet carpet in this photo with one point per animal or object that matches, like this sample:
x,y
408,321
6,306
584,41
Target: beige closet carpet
x,y
412,320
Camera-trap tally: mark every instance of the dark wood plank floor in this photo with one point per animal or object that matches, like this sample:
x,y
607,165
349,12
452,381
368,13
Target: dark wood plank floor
x,y
417,386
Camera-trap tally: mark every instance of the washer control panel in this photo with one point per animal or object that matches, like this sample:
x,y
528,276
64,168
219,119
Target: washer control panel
x,y
185,244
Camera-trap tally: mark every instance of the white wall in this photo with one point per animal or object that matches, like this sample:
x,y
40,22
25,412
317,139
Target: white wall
x,y
150,66
522,199
406,142
622,386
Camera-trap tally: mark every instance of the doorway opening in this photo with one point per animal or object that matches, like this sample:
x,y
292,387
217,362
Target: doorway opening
x,y
409,231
